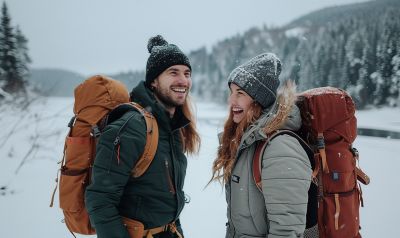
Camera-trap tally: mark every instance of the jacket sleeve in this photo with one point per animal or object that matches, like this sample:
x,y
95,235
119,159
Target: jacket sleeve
x,y
286,177
110,174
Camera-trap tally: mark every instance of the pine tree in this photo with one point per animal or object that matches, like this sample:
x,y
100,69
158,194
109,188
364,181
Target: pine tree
x,y
395,84
12,80
23,58
386,50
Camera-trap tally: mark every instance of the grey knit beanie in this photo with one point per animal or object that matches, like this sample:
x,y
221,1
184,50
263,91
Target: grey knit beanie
x,y
162,56
259,78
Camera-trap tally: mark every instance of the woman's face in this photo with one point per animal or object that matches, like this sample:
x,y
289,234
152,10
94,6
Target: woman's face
x,y
239,103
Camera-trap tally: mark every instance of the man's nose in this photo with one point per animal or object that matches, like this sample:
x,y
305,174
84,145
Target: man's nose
x,y
183,79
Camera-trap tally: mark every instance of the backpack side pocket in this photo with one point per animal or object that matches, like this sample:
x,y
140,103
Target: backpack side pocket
x,y
75,176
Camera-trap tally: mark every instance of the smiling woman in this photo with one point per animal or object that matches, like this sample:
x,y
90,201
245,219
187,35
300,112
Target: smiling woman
x,y
257,109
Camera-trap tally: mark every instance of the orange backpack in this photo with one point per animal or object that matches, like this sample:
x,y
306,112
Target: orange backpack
x,y
96,100
329,127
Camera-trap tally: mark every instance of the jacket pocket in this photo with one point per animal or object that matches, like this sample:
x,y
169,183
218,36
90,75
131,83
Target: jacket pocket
x,y
75,173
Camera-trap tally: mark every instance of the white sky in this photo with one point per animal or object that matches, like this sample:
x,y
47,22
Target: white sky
x,y
103,36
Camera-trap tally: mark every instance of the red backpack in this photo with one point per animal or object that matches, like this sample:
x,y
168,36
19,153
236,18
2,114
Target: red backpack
x,y
329,127
99,100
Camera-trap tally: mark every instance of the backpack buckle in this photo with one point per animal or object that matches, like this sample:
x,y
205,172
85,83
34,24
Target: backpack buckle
x,y
116,141
95,132
320,142
355,152
71,122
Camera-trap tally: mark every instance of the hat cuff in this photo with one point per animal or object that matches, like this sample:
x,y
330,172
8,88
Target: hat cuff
x,y
167,62
254,88
259,93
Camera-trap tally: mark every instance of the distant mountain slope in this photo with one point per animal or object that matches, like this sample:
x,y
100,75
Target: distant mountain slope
x,y
61,83
333,14
355,47
130,79
55,82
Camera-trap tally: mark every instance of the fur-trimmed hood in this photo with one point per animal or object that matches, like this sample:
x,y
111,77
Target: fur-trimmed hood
x,y
283,114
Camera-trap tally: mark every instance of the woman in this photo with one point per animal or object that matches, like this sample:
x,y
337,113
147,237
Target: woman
x,y
256,111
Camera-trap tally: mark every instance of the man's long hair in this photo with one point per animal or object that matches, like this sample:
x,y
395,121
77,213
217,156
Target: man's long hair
x,y
189,135
233,132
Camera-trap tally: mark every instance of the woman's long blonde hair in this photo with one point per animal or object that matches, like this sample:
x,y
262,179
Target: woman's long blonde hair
x,y
233,132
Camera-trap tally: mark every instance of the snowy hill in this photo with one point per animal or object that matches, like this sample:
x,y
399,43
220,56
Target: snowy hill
x,y
55,82
31,143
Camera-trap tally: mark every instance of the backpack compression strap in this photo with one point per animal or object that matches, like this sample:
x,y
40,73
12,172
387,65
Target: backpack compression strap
x,y
261,148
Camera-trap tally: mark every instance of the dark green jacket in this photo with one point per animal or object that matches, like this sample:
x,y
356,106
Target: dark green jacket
x,y
156,198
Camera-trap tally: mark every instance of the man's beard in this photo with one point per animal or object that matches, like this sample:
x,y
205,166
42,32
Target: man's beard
x,y
165,97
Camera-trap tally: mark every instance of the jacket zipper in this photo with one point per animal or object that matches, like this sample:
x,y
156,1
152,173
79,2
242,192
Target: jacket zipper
x,y
169,179
230,210
178,201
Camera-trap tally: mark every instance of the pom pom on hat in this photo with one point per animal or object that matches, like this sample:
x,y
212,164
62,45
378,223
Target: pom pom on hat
x,y
156,41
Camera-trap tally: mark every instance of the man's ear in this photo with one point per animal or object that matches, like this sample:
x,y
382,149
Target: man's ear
x,y
154,84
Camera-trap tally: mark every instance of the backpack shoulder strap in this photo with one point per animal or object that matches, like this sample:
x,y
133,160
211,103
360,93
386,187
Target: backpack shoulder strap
x,y
257,158
151,142
151,135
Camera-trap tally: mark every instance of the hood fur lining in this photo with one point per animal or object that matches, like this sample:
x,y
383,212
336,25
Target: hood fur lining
x,y
278,114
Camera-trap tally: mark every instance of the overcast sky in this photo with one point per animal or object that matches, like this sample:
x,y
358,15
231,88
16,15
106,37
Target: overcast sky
x,y
109,36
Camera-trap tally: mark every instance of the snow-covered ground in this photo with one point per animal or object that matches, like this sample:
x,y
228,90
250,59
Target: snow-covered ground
x,y
25,190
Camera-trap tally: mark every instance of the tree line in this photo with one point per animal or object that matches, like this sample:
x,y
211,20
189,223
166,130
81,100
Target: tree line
x,y
360,53
14,57
354,47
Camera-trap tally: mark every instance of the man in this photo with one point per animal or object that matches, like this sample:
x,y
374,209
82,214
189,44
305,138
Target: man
x,y
156,198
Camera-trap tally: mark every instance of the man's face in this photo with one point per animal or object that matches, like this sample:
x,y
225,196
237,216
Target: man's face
x,y
172,86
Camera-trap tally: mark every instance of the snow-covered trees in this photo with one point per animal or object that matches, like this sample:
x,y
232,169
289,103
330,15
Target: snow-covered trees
x,y
14,58
354,47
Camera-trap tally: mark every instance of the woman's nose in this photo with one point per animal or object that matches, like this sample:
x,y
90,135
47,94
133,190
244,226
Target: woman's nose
x,y
231,99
